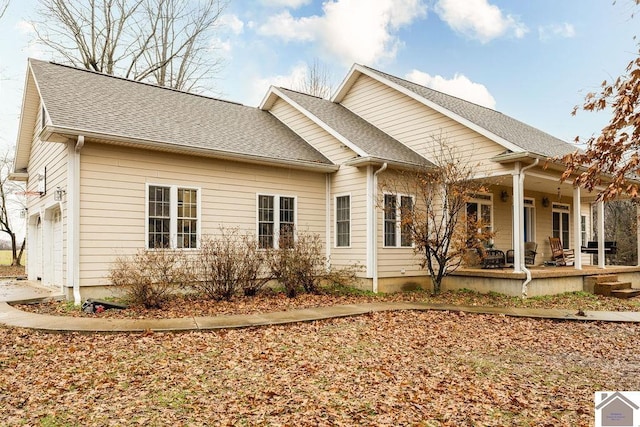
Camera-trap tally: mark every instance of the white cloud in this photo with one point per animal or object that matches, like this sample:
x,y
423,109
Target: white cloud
x,y
24,27
479,20
459,86
233,23
260,85
564,30
351,30
292,4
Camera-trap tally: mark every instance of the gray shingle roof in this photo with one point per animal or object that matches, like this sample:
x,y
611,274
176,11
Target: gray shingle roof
x,y
93,102
528,138
364,135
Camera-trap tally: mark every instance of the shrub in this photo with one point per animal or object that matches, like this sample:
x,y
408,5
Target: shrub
x,y
302,267
228,264
151,276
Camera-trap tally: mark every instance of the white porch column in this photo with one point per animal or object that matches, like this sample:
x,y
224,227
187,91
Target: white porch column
x,y
577,231
517,219
600,210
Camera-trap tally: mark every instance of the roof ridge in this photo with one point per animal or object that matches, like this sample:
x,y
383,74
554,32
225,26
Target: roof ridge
x,y
438,91
302,93
99,73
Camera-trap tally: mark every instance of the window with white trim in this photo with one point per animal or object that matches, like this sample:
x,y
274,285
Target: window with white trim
x,y
276,221
172,217
343,221
560,220
397,232
480,209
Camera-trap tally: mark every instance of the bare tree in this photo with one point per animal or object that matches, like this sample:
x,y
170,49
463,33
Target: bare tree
x,y
4,4
316,81
438,222
166,42
10,203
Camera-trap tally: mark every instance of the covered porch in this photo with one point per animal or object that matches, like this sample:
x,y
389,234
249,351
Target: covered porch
x,y
544,280
531,204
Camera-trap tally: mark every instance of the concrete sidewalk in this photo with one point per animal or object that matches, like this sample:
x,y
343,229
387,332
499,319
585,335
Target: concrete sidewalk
x,y
19,292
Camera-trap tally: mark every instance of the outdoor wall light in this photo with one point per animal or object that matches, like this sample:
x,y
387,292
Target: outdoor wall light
x,y
545,202
504,196
58,194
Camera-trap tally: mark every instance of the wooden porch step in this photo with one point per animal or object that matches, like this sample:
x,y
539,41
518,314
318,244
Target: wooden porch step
x,y
625,293
607,288
590,282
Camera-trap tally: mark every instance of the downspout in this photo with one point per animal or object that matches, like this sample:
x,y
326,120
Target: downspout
x,y
328,221
374,226
73,218
521,242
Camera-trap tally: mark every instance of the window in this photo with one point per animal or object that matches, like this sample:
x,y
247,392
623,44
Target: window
x,y
480,209
560,221
276,221
343,221
172,217
529,220
397,231
583,230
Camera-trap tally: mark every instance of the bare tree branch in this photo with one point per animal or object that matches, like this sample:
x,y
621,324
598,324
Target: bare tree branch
x,y
10,203
316,82
165,42
4,4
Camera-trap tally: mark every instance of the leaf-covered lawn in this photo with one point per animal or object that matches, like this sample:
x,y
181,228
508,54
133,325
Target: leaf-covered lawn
x,y
270,301
394,368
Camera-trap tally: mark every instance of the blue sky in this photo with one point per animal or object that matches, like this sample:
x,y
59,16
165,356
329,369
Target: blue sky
x,y
532,60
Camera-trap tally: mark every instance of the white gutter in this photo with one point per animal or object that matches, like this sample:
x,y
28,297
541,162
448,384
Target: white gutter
x,y
374,226
521,213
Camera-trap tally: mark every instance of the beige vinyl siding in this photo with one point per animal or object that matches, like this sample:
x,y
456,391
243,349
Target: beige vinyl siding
x,y
348,180
415,124
53,157
392,261
113,189
353,182
311,132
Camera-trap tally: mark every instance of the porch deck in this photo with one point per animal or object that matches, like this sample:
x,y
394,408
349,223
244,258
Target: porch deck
x,y
545,280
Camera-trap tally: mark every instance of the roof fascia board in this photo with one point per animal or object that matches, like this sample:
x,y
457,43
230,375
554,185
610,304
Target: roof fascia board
x,y
467,123
319,122
20,147
346,83
199,151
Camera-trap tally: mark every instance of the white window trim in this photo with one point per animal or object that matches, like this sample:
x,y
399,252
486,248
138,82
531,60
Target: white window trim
x,y
276,217
398,233
566,209
529,202
173,214
335,220
487,200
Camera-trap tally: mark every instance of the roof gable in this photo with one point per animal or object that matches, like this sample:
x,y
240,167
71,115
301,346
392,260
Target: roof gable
x,y
512,134
83,101
362,137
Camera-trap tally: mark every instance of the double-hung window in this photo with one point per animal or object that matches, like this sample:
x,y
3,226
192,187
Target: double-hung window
x,y
560,223
172,217
276,221
397,227
343,221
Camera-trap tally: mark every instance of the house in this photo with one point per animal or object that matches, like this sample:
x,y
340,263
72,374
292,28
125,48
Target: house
x,y
113,166
615,409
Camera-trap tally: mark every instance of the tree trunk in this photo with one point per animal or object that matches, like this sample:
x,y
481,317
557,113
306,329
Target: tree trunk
x,y
16,260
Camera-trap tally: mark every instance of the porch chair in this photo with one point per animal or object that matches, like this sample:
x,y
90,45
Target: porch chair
x,y
529,253
560,255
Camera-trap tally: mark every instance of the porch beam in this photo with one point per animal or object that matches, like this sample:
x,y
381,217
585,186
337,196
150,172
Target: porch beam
x,y
577,230
600,214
